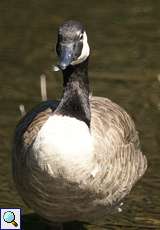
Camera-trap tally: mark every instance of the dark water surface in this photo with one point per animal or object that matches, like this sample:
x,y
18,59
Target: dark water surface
x,y
125,66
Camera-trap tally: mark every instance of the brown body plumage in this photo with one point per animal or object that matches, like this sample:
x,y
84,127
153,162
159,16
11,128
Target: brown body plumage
x,y
116,152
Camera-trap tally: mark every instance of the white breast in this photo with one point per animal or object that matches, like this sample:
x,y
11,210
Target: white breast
x,y
64,139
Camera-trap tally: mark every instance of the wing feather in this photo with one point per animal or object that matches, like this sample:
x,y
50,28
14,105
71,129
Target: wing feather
x,y
117,150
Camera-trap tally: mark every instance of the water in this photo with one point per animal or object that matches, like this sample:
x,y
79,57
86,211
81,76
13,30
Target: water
x,y
125,44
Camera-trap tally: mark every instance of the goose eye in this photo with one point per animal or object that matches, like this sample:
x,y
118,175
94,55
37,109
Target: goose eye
x,y
81,37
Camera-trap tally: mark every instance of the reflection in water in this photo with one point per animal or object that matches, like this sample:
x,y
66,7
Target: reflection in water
x,y
124,38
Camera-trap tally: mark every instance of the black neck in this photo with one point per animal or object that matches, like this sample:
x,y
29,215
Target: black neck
x,y
75,100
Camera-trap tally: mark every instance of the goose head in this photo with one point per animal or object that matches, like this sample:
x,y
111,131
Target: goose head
x,y
72,45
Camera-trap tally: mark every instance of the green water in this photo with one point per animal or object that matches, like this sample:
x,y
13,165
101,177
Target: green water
x,y
125,66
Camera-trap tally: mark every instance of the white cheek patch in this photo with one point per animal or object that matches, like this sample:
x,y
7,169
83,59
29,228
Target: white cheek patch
x,y
85,51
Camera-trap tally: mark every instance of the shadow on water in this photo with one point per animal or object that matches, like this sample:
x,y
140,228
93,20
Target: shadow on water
x,y
33,221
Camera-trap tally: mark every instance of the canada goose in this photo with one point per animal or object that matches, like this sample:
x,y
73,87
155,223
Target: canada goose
x,y
78,158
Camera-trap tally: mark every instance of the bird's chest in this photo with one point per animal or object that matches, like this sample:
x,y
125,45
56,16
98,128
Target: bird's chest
x,y
63,143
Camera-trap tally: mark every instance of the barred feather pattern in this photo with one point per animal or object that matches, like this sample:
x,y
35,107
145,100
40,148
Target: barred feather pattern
x,y
79,193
